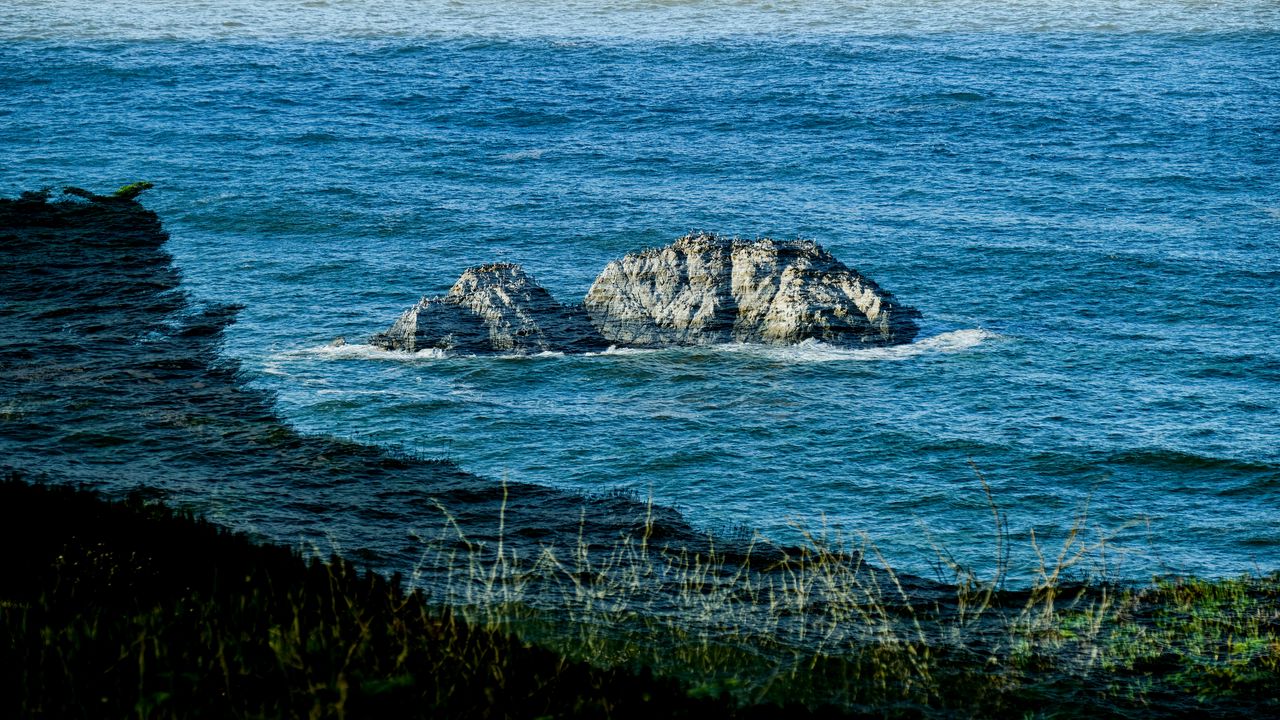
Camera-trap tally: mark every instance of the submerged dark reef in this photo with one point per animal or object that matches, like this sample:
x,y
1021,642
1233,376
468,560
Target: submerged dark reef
x,y
110,377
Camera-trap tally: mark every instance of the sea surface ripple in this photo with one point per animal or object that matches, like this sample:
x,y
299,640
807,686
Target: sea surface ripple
x,y
1085,207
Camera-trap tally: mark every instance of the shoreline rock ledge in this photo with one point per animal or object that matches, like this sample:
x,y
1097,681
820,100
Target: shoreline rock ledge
x,y
706,289
702,289
492,308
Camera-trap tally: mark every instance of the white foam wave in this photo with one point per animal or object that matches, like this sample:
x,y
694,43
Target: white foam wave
x,y
358,351
615,350
814,351
805,352
817,351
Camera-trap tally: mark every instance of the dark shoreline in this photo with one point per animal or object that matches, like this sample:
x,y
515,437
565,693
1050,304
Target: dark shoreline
x,y
114,379
124,608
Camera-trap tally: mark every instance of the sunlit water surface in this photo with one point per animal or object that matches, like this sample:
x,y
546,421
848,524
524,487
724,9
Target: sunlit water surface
x,y
1084,204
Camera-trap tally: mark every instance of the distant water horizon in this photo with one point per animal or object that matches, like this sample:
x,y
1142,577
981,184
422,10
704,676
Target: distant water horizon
x,y
618,19
1083,202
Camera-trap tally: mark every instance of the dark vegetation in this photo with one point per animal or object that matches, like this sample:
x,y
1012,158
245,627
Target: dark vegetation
x,y
128,609
536,604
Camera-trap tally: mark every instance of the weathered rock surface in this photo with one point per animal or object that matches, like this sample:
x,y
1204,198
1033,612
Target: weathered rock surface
x,y
492,308
700,290
704,289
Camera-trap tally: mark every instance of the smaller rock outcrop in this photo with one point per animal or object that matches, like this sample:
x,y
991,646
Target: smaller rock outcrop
x,y
492,308
705,289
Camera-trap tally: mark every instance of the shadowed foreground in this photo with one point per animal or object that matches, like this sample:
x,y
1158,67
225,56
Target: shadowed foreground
x,y
127,609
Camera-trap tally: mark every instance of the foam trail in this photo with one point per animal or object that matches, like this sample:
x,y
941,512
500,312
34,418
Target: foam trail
x,y
809,351
360,351
812,351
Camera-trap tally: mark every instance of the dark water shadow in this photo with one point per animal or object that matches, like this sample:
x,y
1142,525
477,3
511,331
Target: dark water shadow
x,y
110,376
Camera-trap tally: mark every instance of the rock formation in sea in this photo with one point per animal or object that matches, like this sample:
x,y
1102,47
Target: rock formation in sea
x,y
492,308
700,290
705,289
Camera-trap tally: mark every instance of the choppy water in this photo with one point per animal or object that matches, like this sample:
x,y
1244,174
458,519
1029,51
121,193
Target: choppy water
x,y
1084,204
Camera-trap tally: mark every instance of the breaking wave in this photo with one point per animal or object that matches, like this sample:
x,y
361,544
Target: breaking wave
x,y
809,351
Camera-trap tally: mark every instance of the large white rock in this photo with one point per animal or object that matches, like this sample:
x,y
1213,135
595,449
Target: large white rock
x,y
705,289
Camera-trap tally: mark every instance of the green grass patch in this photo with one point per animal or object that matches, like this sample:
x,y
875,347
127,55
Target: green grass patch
x,y
116,609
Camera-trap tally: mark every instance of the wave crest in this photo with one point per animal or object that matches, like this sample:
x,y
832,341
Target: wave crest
x,y
812,351
809,351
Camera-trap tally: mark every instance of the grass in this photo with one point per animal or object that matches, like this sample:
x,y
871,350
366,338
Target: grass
x,y
831,624
129,609
824,626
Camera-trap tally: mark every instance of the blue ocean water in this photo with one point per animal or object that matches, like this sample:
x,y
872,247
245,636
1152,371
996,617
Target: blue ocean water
x,y
1084,205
